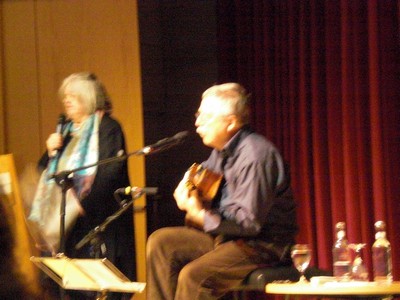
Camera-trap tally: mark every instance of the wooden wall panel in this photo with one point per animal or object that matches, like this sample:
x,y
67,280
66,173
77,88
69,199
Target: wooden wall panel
x,y
96,36
45,41
21,99
2,121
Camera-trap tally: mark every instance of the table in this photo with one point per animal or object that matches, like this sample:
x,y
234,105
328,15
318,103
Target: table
x,y
336,289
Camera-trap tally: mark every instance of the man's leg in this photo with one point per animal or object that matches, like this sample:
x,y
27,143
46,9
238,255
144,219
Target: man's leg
x,y
213,274
168,250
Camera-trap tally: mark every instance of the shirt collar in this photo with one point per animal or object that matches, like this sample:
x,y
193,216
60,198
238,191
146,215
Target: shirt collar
x,y
231,145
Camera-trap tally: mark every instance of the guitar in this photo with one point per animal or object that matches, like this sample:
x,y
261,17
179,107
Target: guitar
x,y
206,183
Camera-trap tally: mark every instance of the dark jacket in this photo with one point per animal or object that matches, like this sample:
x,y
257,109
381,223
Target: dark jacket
x,y
100,204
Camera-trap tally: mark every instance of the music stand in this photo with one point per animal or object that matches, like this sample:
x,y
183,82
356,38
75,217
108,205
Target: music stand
x,y
98,275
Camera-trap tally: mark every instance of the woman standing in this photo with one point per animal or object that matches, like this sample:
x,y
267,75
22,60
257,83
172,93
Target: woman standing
x,y
89,135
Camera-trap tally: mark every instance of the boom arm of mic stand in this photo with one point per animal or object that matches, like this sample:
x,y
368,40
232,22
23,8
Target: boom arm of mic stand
x,y
60,176
144,151
103,226
64,179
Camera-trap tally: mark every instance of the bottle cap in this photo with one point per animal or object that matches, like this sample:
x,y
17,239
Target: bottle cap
x,y
340,226
380,226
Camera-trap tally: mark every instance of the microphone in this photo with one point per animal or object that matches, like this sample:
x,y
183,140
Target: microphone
x,y
165,143
60,123
59,129
129,190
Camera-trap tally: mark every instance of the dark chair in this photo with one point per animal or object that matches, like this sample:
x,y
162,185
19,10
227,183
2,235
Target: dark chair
x,y
257,279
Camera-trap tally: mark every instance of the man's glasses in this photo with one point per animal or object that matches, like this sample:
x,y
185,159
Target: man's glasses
x,y
203,116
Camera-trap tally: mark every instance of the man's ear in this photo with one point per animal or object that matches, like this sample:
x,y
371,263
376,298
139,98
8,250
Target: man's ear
x,y
234,123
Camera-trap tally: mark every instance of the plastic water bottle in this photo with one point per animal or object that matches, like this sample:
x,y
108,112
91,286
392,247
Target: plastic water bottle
x,y
341,254
381,255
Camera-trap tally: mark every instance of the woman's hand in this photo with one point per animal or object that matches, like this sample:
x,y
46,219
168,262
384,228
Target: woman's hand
x,y
53,143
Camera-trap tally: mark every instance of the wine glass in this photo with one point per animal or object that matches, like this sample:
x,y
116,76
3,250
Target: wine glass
x,y
301,257
358,270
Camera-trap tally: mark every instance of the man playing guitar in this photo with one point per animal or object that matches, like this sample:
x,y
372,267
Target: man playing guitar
x,y
250,222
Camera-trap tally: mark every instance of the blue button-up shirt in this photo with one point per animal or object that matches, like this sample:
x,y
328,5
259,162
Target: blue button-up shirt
x,y
256,200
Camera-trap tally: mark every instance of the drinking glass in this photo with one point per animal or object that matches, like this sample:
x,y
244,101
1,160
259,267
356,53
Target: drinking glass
x,y
358,270
301,257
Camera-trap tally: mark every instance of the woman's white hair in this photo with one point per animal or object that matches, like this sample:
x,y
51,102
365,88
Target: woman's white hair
x,y
89,90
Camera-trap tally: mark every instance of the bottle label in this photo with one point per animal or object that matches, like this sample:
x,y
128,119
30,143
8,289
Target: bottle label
x,y
381,261
341,269
341,254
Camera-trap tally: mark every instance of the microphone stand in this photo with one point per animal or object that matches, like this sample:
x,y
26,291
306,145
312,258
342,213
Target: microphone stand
x,y
65,182
65,178
93,234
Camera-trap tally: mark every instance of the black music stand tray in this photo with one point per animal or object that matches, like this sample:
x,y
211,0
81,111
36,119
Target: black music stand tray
x,y
87,275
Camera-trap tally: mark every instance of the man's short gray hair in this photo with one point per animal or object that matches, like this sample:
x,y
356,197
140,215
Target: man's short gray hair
x,y
235,96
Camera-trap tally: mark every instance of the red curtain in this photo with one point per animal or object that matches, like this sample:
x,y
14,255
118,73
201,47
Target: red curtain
x,y
325,81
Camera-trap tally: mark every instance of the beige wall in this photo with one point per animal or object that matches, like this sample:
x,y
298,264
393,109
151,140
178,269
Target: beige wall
x,y
43,42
